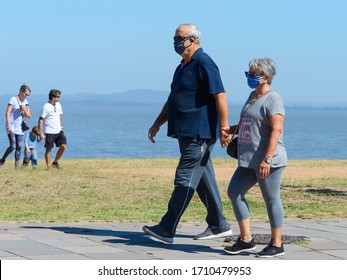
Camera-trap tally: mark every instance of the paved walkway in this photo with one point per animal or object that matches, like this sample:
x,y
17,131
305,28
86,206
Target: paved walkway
x,y
327,240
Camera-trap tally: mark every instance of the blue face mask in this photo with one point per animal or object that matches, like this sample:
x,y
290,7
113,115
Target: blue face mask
x,y
253,82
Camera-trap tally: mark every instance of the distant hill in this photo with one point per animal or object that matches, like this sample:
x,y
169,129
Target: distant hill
x,y
136,97
133,97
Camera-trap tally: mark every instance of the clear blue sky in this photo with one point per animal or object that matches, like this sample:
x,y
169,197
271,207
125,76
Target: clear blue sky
x,y
106,46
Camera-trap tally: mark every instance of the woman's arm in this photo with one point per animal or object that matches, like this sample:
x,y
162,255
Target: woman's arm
x,y
27,112
276,123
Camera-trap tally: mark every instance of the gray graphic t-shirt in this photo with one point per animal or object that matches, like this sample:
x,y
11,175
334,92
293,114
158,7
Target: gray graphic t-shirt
x,y
255,129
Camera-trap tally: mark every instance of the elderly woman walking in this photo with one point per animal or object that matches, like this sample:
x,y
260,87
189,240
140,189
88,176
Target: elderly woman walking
x,y
261,158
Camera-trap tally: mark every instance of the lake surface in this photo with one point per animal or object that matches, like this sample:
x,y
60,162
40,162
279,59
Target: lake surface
x,y
108,129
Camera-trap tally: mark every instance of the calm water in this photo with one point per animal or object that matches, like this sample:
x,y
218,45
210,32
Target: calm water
x,y
96,130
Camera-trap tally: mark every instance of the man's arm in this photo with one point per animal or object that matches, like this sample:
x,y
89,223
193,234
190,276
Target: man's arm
x,y
222,110
61,123
39,124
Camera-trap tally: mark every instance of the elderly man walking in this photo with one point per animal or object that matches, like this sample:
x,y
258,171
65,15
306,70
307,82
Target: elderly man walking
x,y
196,111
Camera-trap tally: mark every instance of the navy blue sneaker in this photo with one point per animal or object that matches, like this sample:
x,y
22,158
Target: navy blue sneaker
x,y
240,246
271,251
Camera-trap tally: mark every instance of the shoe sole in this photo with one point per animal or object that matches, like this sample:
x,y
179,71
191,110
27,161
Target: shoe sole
x,y
166,240
241,251
270,256
219,235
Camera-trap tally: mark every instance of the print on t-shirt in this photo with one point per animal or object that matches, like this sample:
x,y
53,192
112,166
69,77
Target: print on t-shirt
x,y
245,131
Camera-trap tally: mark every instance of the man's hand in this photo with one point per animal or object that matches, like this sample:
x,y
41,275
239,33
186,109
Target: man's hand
x,y
152,132
225,136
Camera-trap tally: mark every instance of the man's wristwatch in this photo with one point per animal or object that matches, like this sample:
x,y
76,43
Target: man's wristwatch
x,y
267,160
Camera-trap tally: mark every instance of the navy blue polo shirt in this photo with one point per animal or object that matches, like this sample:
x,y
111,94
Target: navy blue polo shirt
x,y
191,106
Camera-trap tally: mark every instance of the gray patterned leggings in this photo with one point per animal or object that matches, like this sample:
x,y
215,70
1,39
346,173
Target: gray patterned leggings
x,y
244,179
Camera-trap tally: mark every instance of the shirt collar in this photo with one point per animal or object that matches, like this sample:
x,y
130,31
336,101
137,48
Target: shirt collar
x,y
194,56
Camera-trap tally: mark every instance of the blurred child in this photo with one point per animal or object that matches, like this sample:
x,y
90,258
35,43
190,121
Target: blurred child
x,y
30,141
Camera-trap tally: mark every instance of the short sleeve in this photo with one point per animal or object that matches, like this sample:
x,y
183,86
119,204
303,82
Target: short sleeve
x,y
12,101
275,106
43,111
60,109
210,75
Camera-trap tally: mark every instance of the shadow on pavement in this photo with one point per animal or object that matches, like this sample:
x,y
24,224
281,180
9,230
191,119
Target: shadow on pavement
x,y
132,238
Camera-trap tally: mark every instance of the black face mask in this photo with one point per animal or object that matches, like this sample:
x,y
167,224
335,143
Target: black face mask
x,y
179,46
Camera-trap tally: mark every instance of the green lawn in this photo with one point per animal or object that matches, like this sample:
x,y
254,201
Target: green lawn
x,y
105,190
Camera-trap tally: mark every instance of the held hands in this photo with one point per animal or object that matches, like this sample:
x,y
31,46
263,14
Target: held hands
x,y
225,136
226,130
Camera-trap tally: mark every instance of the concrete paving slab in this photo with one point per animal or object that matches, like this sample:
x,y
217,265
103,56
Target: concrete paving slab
x,y
339,254
320,244
29,247
5,254
94,249
60,257
120,256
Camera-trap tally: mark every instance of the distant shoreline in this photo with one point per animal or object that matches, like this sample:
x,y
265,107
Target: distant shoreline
x,y
153,97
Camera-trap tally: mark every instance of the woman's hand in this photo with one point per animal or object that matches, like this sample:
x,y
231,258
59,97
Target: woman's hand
x,y
264,169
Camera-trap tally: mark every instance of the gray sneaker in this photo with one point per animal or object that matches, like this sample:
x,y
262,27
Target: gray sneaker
x,y
210,233
160,233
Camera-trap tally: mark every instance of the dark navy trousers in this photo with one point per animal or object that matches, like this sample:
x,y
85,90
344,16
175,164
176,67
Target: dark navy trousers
x,y
195,172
